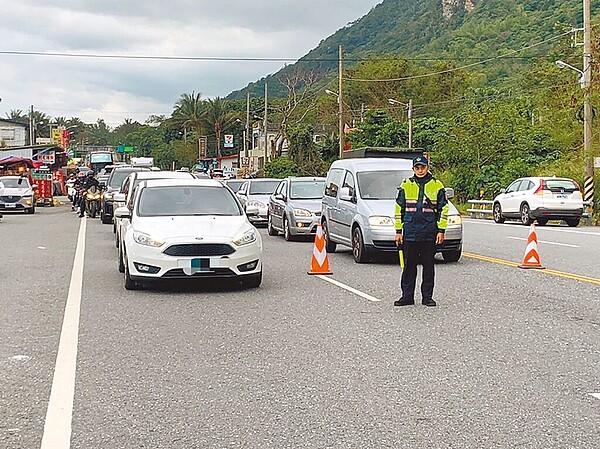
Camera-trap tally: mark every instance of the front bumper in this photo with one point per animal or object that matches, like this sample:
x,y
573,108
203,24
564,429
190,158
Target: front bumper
x,y
163,266
16,204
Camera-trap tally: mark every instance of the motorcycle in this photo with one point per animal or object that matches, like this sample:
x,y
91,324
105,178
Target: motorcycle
x,y
92,201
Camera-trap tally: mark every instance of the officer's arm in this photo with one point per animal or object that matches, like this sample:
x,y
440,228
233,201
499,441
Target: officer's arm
x,y
400,207
443,210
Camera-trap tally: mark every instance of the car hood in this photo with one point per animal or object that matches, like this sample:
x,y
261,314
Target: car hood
x,y
15,191
311,205
206,226
387,207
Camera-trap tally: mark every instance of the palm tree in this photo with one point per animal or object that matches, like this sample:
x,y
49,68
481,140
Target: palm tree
x,y
218,119
189,112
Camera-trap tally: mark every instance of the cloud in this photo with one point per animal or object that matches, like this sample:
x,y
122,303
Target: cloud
x,y
116,88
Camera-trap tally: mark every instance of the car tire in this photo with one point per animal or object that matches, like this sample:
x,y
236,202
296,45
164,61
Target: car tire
x,y
524,212
287,232
330,246
452,256
572,222
253,281
104,219
93,210
542,221
129,283
120,264
270,229
31,210
497,213
359,253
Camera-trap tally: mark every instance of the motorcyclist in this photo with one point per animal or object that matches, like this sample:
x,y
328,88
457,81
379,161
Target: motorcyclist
x,y
88,181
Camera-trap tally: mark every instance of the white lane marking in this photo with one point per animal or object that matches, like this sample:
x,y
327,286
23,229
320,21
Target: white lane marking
x,y
596,395
57,428
546,242
21,358
350,289
41,247
515,225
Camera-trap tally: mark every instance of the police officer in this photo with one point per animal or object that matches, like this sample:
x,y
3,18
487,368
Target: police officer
x,y
421,220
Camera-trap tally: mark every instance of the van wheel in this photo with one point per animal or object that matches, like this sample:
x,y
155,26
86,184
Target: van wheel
x,y
330,246
270,229
452,256
525,218
358,247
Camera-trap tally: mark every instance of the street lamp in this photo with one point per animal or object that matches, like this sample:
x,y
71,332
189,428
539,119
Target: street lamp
x,y
340,120
409,108
562,65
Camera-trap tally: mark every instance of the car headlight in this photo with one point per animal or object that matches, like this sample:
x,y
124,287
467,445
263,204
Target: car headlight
x,y
255,203
302,213
454,219
245,239
380,220
108,195
146,240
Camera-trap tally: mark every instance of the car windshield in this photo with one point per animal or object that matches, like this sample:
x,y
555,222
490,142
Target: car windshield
x,y
186,201
15,183
100,157
263,187
118,176
235,185
307,190
560,185
381,185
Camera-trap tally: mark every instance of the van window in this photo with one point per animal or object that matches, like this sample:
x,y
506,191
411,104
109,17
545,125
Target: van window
x,y
334,179
381,185
349,182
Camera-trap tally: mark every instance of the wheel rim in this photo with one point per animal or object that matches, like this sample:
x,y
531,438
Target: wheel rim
x,y
524,214
497,212
356,245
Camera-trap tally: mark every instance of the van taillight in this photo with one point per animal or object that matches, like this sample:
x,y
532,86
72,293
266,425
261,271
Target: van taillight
x,y
540,189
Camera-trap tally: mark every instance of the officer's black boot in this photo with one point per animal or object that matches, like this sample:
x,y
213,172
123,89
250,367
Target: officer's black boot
x,y
404,302
429,302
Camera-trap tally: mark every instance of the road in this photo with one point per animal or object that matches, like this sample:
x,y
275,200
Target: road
x,y
509,358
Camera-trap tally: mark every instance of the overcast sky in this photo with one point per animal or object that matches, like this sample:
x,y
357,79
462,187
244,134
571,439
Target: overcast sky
x,y
114,89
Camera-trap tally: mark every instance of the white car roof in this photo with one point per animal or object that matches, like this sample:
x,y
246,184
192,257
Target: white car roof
x,y
191,181
162,175
373,164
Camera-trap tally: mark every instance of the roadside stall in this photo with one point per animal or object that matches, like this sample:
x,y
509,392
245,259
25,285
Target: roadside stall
x,y
44,192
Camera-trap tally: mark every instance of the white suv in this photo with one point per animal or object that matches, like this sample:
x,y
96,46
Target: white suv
x,y
541,199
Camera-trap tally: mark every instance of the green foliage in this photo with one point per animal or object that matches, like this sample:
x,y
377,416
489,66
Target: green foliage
x,y
281,168
305,153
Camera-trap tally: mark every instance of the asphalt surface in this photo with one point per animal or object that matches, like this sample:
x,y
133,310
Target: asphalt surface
x,y
509,358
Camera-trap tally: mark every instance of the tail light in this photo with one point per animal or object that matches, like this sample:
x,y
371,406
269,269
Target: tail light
x,y
578,187
540,189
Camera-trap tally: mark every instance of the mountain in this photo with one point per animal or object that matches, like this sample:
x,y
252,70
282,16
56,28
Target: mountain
x,y
458,30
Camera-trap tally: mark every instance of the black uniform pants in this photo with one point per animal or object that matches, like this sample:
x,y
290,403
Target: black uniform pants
x,y
418,253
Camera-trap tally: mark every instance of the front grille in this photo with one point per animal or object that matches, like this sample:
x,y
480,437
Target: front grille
x,y
199,250
384,244
177,273
10,198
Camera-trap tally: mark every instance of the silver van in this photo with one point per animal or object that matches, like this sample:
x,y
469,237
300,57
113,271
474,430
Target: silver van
x,y
358,208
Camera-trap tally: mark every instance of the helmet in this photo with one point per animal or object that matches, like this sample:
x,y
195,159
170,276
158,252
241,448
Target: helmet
x,y
80,174
91,173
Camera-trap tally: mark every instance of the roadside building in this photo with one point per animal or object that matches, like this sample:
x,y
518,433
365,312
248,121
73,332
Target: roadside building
x,y
12,133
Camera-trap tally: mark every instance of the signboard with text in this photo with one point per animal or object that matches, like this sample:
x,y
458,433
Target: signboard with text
x,y
228,141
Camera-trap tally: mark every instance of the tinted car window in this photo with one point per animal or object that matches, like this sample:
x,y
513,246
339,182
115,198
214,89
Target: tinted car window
x,y
526,184
234,185
307,190
187,201
349,182
514,186
263,187
558,185
381,185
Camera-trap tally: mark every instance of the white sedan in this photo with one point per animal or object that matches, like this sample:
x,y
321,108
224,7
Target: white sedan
x,y
188,229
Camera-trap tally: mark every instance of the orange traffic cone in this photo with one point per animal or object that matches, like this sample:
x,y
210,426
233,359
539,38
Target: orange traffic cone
x,y
532,256
320,261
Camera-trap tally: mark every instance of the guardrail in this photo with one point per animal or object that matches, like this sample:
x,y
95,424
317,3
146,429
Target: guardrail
x,y
479,208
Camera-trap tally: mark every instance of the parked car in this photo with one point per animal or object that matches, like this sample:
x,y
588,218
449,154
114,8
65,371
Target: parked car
x,y
116,178
17,194
295,207
359,204
188,229
234,184
540,199
256,192
121,198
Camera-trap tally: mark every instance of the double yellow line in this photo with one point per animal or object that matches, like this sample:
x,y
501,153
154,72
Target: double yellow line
x,y
575,277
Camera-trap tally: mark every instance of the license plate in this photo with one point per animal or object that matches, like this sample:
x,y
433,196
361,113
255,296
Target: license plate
x,y
560,195
10,206
193,266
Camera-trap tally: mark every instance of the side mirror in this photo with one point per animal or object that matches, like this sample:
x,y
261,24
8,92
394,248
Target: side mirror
x,y
345,194
120,197
35,186
502,190
102,185
449,192
279,196
122,212
252,211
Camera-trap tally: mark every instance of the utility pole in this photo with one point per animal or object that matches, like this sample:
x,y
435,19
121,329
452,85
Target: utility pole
x,y
410,124
340,102
588,184
31,127
247,136
265,124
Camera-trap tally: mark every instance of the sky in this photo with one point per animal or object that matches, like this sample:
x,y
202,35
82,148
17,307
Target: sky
x,y
115,89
